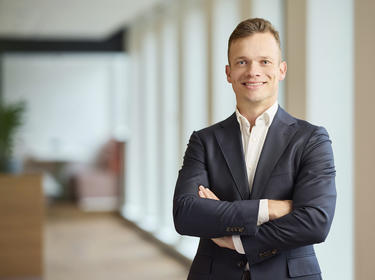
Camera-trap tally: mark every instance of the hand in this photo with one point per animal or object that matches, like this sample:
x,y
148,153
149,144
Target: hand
x,y
224,242
279,208
206,193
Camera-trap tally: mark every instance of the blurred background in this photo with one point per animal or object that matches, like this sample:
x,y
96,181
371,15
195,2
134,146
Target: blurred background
x,y
98,100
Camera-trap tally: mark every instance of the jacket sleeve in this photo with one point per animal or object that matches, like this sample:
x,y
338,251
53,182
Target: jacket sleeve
x,y
202,217
314,199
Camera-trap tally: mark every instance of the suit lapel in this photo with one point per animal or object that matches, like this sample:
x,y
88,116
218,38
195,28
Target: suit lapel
x,y
279,135
230,142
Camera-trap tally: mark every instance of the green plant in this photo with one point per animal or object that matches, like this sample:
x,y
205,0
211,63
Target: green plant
x,y
10,120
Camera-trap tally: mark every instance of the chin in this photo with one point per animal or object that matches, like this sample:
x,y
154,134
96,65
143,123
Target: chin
x,y
258,100
255,99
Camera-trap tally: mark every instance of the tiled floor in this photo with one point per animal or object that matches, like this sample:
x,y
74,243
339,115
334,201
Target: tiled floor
x,y
80,246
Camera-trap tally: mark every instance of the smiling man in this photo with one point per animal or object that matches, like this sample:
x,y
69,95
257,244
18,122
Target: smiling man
x,y
259,187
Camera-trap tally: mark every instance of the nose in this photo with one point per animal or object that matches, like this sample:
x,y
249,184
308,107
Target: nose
x,y
253,70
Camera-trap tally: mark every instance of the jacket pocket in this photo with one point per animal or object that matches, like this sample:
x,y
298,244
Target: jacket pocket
x,y
201,264
303,266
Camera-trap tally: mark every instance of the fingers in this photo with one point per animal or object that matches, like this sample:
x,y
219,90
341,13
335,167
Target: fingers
x,y
219,242
206,193
201,193
224,242
210,194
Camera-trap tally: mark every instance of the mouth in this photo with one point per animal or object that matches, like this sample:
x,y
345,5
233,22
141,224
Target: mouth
x,y
253,85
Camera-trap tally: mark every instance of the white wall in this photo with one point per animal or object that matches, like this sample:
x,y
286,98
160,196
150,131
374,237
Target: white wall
x,y
75,102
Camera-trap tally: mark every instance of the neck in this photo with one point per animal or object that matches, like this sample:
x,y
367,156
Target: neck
x,y
252,111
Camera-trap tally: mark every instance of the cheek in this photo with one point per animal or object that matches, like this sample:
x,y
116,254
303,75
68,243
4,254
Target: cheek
x,y
242,76
272,75
235,77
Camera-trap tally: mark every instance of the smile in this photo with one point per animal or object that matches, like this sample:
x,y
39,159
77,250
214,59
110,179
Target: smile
x,y
253,84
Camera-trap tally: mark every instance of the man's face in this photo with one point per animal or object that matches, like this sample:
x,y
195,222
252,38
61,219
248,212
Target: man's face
x,y
255,69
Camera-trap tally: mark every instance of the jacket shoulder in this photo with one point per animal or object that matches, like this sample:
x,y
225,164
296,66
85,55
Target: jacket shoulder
x,y
210,130
301,125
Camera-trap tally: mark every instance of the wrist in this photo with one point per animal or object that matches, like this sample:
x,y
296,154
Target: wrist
x,y
271,213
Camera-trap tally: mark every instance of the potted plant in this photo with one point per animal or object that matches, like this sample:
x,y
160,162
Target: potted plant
x,y
10,120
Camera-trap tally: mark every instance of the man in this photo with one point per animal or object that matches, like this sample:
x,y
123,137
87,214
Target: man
x,y
259,187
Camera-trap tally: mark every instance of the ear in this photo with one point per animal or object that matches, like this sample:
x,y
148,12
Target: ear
x,y
282,68
227,72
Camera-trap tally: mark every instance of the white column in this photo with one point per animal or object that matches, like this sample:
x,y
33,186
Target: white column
x,y
330,104
132,208
226,16
169,122
193,40
149,125
120,114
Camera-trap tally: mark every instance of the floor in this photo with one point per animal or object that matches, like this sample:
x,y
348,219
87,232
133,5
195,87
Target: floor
x,y
102,246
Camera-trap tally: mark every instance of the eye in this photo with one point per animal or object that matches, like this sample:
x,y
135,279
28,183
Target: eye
x,y
266,62
241,62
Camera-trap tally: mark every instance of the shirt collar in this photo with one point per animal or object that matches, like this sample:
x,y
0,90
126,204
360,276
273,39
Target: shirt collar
x,y
266,117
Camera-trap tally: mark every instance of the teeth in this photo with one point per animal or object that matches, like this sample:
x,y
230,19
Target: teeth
x,y
254,84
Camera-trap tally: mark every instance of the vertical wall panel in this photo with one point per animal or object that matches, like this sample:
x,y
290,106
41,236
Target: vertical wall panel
x,y
226,16
364,139
132,209
330,103
295,53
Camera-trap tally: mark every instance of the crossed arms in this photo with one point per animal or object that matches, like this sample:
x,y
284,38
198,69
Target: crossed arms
x,y
276,209
308,223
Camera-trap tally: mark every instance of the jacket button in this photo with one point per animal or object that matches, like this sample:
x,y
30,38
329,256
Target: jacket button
x,y
265,254
241,264
274,251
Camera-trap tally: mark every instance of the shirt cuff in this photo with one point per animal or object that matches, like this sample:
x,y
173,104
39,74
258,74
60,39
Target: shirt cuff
x,y
238,244
263,215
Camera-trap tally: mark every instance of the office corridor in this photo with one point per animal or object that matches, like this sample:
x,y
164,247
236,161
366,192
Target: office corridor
x,y
94,246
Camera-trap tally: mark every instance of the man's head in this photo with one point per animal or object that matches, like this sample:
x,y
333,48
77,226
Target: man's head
x,y
251,26
255,67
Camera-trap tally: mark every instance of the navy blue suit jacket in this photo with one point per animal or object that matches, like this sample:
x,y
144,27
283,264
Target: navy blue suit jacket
x,y
296,163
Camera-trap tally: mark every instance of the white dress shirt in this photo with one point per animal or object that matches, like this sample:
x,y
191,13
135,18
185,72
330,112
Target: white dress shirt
x,y
253,140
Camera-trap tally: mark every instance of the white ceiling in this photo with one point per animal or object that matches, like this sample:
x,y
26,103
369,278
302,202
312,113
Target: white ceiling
x,y
84,19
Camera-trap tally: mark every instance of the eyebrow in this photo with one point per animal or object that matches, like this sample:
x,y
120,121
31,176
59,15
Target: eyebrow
x,y
259,57
240,57
266,58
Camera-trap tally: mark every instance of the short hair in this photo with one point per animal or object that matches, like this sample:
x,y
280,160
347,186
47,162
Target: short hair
x,y
252,26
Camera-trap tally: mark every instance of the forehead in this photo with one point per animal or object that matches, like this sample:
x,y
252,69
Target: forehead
x,y
258,44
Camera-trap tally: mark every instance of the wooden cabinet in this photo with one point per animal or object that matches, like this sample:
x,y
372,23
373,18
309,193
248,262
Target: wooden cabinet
x,y
21,226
